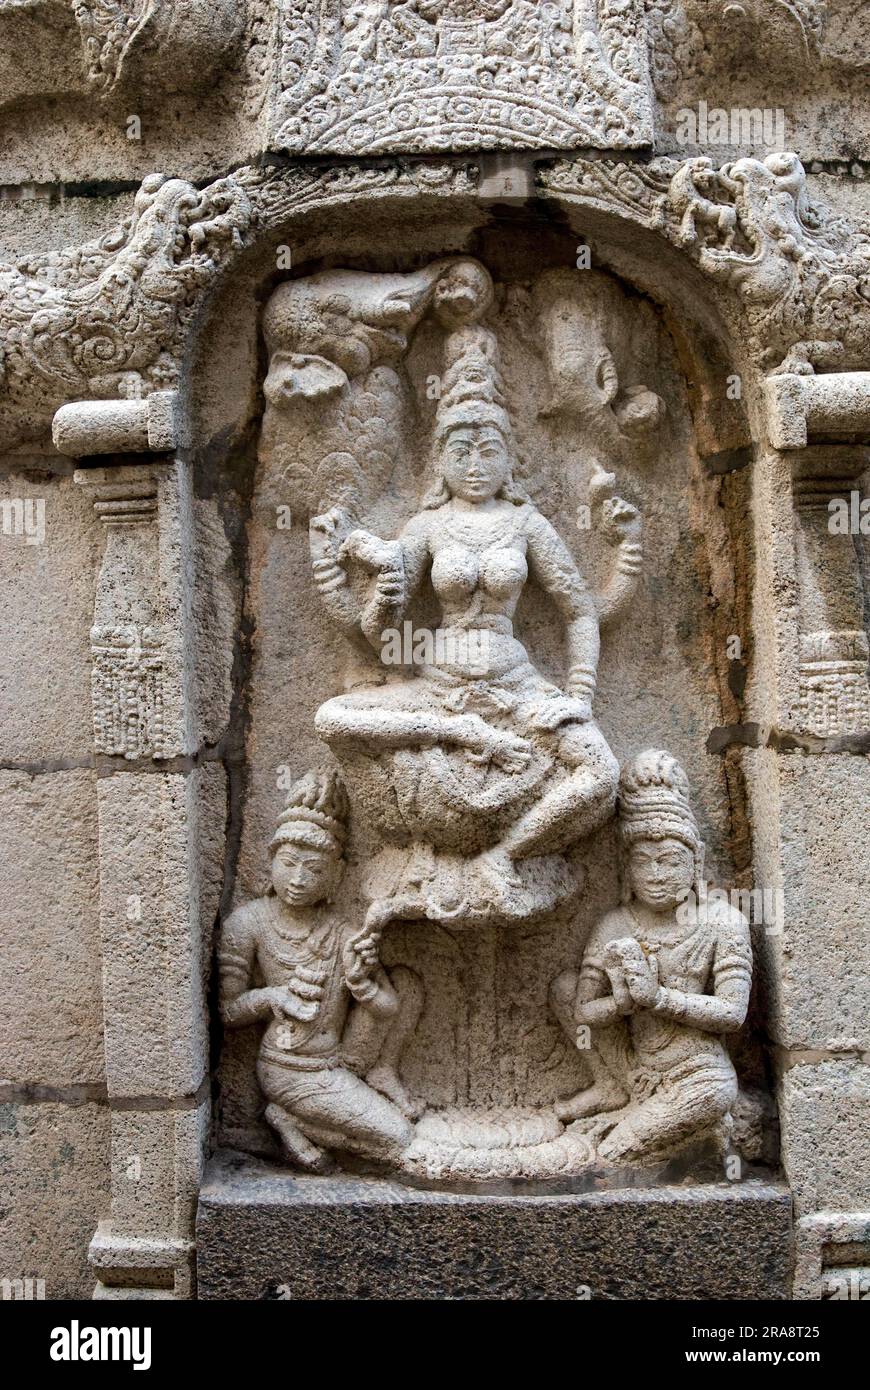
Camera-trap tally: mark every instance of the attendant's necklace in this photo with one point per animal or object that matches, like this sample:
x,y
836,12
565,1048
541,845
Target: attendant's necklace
x,y
648,947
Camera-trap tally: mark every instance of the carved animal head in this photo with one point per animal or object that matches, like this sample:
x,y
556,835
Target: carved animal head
x,y
574,313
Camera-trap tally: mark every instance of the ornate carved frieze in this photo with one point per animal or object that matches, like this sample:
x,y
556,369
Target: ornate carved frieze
x,y
109,319
377,76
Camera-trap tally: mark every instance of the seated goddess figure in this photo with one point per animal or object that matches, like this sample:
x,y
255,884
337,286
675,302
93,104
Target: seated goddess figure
x,y
472,752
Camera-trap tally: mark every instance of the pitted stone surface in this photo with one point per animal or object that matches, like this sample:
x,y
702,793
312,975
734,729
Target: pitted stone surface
x,y
265,1235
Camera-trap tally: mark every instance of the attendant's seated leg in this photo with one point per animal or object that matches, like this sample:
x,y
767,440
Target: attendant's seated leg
x,y
607,1057
296,1147
335,1108
672,1114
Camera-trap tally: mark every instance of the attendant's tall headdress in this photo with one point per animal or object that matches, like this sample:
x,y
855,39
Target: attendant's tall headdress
x,y
653,804
315,815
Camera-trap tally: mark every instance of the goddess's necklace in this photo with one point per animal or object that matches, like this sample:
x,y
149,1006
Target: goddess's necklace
x,y
477,535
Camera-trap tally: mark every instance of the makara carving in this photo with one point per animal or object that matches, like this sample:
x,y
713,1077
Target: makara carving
x,y
108,318
791,275
112,317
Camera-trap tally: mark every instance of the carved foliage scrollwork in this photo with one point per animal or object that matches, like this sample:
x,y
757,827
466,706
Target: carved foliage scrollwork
x,y
376,75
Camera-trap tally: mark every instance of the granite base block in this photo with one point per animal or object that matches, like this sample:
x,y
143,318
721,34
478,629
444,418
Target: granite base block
x,y
263,1233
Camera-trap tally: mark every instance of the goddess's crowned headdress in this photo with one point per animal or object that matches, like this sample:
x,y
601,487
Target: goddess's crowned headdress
x,y
472,389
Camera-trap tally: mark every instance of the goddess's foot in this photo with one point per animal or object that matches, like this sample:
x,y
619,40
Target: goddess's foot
x,y
296,1147
485,744
385,1079
594,1100
499,869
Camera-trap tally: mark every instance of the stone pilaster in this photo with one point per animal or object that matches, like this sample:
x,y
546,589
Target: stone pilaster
x,y
158,803
809,786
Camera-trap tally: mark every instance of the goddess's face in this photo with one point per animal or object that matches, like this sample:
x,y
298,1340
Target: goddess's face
x,y
302,876
475,462
660,872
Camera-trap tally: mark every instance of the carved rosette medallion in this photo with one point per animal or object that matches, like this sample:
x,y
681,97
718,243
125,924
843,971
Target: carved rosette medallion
x,y
375,76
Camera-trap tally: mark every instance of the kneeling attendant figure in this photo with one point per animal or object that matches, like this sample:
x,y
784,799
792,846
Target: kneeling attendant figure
x,y
663,978
334,1015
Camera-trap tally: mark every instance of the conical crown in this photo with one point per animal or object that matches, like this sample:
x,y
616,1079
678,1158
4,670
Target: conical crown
x,y
317,799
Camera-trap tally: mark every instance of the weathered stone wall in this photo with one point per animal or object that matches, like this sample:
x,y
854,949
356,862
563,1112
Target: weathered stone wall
x,y
165,651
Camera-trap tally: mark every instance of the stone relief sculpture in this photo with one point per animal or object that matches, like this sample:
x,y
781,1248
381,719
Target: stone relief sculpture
x,y
439,74
487,767
104,320
664,977
793,273
475,779
336,1020
803,276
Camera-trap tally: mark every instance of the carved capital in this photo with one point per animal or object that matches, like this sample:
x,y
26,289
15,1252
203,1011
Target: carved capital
x,y
829,407
118,427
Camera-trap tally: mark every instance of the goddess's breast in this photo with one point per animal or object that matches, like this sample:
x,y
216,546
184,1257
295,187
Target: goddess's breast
x,y
457,573
503,572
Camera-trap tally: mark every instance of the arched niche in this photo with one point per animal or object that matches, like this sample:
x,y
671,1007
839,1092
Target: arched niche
x,y
668,675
